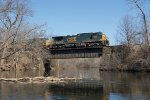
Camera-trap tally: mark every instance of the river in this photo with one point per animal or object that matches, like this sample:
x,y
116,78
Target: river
x,y
115,86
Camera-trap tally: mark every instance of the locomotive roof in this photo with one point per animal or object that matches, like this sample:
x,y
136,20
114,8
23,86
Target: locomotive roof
x,y
58,37
76,34
90,33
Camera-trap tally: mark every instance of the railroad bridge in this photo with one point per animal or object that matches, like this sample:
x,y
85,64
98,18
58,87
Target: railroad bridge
x,y
90,52
70,62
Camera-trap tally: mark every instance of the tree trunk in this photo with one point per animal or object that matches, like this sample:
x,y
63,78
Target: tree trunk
x,y
3,60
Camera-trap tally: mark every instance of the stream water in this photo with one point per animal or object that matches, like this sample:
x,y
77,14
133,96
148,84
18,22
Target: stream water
x,y
115,86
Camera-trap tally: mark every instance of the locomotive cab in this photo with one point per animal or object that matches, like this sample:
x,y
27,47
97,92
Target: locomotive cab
x,y
94,36
58,42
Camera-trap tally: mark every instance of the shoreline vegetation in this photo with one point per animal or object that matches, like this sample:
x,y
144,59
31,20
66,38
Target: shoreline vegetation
x,y
114,58
133,58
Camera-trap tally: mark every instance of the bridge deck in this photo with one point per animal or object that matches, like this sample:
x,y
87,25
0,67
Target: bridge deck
x,y
75,53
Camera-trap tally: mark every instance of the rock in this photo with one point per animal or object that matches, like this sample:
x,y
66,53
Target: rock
x,y
26,79
39,79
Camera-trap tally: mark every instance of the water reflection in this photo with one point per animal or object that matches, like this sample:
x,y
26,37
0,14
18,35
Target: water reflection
x,y
126,86
11,91
77,93
115,86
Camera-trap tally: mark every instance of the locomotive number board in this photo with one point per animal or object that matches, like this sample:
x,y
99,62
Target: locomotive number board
x,y
72,39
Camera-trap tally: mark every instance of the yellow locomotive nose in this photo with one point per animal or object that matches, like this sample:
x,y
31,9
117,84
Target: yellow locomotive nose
x,y
48,43
104,38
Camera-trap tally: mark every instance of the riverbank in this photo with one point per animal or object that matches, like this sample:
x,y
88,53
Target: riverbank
x,y
38,80
68,83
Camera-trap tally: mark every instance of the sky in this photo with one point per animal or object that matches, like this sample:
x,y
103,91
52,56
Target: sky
x,y
70,17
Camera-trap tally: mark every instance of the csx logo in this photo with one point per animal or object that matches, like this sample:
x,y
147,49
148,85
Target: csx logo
x,y
72,39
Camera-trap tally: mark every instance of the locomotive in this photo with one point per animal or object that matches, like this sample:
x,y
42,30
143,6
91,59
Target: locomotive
x,y
92,39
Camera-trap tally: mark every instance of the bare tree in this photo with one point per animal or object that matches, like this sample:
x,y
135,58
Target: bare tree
x,y
127,32
138,5
128,38
12,13
16,34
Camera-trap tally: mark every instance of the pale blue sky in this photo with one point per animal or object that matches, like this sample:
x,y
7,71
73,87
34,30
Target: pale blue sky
x,y
68,17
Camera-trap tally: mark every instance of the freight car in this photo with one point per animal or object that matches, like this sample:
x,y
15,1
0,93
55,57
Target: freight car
x,y
91,39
